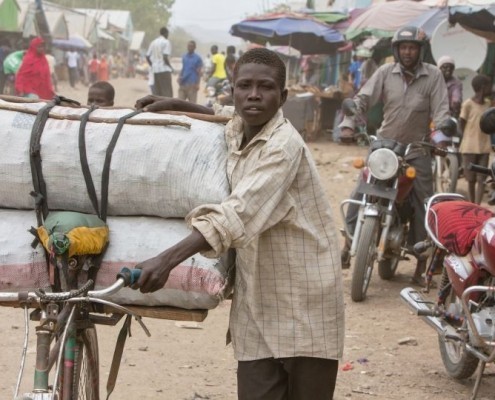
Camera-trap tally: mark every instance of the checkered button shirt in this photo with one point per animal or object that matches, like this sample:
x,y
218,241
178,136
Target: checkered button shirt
x,y
288,299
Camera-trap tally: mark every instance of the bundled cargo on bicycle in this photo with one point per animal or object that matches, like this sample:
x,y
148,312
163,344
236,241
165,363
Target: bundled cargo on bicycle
x,y
144,171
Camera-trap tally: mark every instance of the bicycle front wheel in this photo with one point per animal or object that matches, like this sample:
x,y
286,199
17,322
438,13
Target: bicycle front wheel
x,y
86,377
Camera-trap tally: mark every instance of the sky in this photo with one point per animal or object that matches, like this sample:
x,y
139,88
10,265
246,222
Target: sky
x,y
216,14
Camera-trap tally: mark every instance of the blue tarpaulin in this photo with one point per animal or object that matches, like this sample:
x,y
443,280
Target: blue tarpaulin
x,y
306,35
75,43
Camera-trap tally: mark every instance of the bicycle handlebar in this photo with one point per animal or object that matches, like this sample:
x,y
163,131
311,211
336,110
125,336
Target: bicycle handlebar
x,y
130,276
125,277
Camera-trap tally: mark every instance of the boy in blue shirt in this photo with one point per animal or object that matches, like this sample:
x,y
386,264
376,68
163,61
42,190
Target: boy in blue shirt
x,y
190,74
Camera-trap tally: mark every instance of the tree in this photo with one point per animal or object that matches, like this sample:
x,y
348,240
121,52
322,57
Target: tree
x,y
147,15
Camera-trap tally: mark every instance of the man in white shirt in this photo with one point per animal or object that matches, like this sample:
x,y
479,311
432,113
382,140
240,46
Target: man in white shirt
x,y
72,57
157,57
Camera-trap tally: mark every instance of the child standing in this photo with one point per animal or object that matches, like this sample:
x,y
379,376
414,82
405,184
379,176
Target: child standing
x,y
475,146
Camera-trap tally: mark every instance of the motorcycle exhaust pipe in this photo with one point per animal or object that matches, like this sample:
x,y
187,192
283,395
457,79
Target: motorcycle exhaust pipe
x,y
419,305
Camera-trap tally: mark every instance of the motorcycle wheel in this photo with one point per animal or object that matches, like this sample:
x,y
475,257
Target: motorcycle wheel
x,y
446,180
365,258
387,267
459,363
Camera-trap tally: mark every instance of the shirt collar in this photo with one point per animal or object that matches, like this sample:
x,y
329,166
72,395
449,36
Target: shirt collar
x,y
420,70
235,128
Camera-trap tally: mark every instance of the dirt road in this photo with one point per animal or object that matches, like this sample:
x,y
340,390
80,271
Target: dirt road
x,y
191,361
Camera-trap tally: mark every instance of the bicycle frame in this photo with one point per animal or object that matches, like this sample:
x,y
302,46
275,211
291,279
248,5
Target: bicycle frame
x,y
63,324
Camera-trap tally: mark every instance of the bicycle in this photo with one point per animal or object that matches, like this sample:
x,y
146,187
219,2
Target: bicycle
x,y
67,343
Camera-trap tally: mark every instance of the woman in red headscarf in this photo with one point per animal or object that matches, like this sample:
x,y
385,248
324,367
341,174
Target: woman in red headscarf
x,y
33,77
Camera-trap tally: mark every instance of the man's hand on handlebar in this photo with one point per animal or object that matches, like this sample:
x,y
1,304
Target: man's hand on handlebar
x,y
154,274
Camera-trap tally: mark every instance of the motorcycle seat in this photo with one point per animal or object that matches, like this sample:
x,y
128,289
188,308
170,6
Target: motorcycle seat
x,y
456,224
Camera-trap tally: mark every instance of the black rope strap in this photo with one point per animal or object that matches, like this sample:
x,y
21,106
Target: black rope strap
x,y
39,185
105,178
88,179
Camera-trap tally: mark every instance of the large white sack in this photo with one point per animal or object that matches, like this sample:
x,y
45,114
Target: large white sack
x,y
164,171
197,283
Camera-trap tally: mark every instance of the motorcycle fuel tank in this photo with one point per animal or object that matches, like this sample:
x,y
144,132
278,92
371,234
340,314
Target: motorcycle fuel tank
x,y
462,272
485,246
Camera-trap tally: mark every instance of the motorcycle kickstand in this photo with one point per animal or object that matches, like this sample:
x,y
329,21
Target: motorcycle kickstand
x,y
477,383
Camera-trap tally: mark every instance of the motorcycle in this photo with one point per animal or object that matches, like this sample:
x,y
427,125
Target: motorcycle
x,y
218,93
382,225
461,240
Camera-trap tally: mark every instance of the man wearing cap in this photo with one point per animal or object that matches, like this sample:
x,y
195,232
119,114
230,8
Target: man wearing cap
x,y
413,93
454,85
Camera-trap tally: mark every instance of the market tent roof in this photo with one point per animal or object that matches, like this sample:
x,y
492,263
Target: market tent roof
x,y
57,24
137,40
477,19
112,20
102,34
430,20
9,11
329,17
383,19
80,23
342,25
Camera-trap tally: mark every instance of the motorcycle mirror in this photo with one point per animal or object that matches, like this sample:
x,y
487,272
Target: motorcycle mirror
x,y
349,107
449,127
487,121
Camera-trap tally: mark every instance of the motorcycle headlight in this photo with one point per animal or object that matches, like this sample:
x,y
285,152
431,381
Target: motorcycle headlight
x,y
383,164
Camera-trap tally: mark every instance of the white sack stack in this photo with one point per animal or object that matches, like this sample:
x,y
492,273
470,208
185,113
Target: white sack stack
x,y
163,171
197,283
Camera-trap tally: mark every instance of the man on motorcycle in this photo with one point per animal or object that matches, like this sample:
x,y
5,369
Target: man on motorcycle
x,y
413,92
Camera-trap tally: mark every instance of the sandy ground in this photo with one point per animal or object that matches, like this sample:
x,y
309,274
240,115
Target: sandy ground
x,y
190,361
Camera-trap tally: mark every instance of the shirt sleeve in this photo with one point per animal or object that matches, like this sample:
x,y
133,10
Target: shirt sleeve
x,y
259,201
368,96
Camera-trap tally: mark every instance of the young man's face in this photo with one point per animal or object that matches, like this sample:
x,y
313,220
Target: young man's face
x,y
98,97
257,94
409,54
447,70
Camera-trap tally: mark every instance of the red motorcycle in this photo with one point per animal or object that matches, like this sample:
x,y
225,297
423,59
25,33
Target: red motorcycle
x,y
461,242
